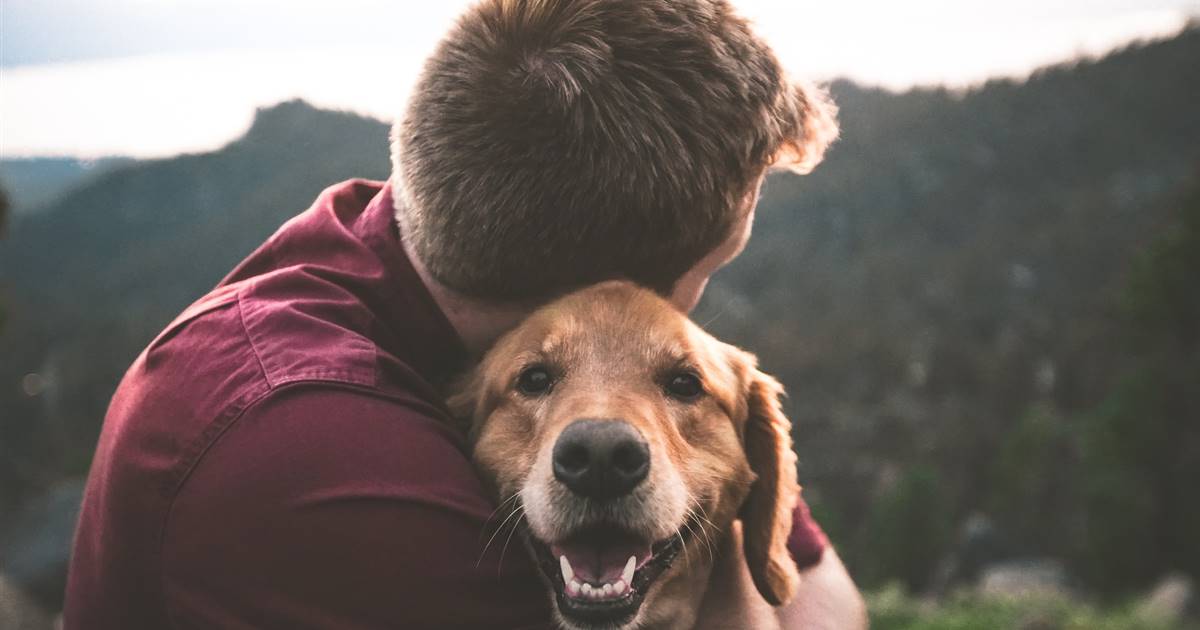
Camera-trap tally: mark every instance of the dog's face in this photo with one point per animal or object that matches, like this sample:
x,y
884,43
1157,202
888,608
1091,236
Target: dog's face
x,y
630,439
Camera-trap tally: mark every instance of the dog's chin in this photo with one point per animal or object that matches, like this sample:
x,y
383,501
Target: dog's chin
x,y
600,574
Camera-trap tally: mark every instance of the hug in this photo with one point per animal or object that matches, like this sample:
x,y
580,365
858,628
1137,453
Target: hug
x,y
470,396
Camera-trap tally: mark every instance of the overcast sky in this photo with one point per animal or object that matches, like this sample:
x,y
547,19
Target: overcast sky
x,y
156,77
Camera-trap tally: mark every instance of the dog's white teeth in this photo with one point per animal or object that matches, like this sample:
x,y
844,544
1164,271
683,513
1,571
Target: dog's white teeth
x,y
584,590
627,574
567,572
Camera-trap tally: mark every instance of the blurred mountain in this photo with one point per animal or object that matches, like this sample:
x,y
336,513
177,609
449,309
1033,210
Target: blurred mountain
x,y
939,296
32,182
165,230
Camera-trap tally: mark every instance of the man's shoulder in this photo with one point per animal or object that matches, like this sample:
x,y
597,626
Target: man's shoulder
x,y
236,350
302,327
351,443
239,342
277,329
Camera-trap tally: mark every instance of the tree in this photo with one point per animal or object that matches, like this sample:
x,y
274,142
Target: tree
x,y
906,531
1141,449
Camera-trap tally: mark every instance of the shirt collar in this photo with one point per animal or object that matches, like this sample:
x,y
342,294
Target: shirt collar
x,y
414,325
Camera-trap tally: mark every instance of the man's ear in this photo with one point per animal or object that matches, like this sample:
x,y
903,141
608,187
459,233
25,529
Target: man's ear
x,y
767,513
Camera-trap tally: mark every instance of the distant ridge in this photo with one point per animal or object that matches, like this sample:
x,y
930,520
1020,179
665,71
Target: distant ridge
x,y
33,182
178,224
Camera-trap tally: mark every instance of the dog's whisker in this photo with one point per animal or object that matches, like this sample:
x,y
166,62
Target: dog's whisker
x,y
515,526
705,524
704,517
520,509
708,542
687,559
693,515
513,497
708,546
687,523
724,309
502,507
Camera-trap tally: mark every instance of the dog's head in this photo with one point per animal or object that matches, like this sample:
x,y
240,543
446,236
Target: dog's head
x,y
629,437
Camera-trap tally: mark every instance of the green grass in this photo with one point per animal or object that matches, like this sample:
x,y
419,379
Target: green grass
x,y
891,609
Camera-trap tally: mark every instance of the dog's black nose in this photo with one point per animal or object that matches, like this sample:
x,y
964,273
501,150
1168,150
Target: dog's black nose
x,y
601,459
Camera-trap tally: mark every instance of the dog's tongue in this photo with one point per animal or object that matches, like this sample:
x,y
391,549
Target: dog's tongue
x,y
600,558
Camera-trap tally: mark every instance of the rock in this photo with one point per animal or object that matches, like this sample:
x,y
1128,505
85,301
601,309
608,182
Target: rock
x,y
1025,577
18,612
1169,601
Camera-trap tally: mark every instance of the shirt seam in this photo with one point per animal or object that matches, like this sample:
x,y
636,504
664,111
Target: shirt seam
x,y
262,367
363,376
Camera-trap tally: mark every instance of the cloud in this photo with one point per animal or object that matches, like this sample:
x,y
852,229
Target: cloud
x,y
201,91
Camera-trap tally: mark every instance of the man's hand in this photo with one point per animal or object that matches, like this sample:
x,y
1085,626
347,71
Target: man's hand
x,y
827,599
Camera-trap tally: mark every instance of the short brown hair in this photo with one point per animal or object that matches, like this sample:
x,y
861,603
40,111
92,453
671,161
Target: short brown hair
x,y
550,144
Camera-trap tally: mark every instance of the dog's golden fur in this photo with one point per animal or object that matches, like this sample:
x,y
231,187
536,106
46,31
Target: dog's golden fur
x,y
723,456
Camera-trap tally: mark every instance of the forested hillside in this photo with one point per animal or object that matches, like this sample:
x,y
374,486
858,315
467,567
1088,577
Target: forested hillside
x,y
948,282
947,299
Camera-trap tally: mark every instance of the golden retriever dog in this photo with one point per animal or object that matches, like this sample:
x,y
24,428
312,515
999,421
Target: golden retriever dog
x,y
635,451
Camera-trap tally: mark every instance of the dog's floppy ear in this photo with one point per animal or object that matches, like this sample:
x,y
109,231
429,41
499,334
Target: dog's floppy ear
x,y
767,512
463,400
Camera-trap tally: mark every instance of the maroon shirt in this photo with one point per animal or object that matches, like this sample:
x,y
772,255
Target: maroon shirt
x,y
279,456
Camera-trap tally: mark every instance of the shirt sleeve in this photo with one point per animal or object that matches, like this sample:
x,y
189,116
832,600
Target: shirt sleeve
x,y
331,508
807,541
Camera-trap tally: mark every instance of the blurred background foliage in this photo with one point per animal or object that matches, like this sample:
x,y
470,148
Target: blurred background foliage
x,y
984,306
892,610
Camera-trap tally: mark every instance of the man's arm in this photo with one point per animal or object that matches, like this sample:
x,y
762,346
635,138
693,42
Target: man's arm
x,y
827,599
329,508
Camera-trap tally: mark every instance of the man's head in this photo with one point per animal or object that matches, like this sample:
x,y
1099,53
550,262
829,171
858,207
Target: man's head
x,y
551,144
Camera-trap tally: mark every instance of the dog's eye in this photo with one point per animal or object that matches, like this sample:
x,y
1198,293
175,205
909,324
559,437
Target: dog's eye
x,y
685,386
534,381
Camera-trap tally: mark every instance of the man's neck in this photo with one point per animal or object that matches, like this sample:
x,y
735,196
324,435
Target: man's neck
x,y
479,323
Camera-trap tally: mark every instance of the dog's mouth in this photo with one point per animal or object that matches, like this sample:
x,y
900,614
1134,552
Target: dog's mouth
x,y
601,573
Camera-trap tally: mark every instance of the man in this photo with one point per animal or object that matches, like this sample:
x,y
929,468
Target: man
x,y
279,457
